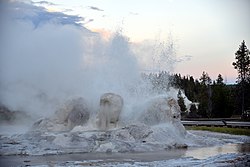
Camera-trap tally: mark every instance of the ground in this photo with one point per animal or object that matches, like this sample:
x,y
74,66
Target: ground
x,y
138,145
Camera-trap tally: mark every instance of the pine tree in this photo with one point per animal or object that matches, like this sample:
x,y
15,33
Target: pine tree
x,y
205,107
205,79
242,65
219,80
221,106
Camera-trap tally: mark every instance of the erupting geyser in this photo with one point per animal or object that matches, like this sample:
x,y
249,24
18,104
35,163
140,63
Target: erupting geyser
x,y
69,96
46,65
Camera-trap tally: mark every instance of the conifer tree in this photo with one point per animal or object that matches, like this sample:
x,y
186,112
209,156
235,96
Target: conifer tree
x,y
219,80
242,65
221,106
205,79
205,107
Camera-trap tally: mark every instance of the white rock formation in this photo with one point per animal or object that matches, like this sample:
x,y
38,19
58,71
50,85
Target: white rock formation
x,y
110,108
72,113
162,110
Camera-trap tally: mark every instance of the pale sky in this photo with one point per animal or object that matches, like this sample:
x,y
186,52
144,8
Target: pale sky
x,y
206,33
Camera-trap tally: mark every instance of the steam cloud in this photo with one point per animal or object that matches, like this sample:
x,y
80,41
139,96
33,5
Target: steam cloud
x,y
46,59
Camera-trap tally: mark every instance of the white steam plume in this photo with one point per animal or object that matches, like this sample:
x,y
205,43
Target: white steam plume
x,y
46,59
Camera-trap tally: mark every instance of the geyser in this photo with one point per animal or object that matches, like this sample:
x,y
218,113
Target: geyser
x,y
45,63
49,64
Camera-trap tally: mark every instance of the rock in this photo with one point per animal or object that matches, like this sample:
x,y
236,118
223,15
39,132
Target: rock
x,y
110,108
160,110
6,114
139,131
9,116
163,110
48,125
78,116
73,113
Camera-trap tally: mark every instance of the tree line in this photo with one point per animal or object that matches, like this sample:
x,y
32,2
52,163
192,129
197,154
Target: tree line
x,y
216,99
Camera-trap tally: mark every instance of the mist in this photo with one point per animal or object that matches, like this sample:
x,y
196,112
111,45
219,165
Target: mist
x,y
47,58
43,64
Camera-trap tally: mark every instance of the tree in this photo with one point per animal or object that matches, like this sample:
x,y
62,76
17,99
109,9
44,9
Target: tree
x,y
205,93
219,80
221,100
205,79
242,65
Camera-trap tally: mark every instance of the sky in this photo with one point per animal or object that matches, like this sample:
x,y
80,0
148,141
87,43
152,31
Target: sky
x,y
205,33
53,50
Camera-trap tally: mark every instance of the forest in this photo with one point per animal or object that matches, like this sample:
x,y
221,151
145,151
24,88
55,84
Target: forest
x,y
215,99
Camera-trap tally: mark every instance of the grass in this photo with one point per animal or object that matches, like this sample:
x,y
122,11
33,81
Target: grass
x,y
234,131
